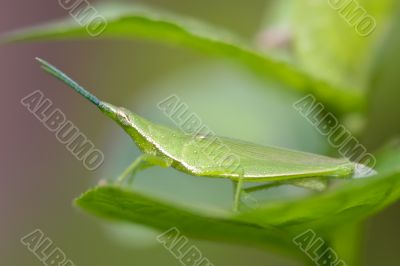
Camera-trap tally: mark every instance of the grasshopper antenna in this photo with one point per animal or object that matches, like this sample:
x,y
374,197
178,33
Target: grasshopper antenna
x,y
105,107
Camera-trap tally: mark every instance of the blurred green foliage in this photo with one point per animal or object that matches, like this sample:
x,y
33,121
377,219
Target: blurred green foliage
x,y
326,48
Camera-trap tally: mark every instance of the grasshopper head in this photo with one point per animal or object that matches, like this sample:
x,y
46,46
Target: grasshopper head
x,y
120,115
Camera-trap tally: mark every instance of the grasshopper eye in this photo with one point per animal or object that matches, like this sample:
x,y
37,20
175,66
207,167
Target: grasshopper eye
x,y
123,116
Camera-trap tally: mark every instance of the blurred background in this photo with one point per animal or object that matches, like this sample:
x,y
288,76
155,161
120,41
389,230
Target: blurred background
x,y
40,178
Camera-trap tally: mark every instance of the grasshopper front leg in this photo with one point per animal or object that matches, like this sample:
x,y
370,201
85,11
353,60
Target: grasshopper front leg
x,y
142,162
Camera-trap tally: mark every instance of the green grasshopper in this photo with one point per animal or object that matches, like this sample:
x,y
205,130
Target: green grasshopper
x,y
167,147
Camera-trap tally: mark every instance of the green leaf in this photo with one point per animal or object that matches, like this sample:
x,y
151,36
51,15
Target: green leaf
x,y
347,243
357,200
326,45
135,22
117,203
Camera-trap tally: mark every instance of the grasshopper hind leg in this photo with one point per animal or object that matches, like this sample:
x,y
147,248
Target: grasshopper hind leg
x,y
237,186
311,183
